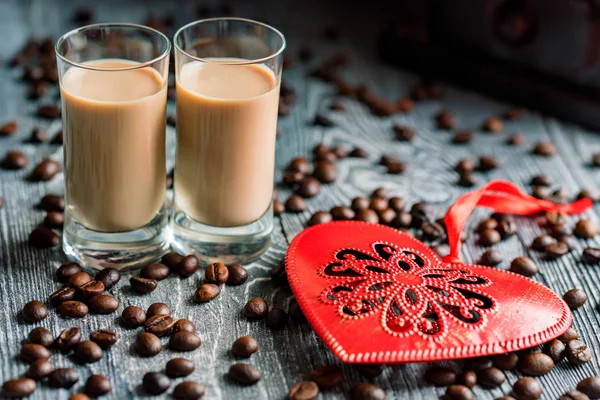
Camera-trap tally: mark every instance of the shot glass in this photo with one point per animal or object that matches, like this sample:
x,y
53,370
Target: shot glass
x,y
113,84
228,74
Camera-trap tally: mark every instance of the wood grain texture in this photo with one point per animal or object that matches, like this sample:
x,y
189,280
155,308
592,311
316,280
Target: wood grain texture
x,y
289,355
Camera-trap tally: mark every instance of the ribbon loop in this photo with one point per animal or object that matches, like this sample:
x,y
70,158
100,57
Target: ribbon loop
x,y
500,196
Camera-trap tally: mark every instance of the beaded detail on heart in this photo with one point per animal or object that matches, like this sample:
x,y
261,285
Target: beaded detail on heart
x,y
402,290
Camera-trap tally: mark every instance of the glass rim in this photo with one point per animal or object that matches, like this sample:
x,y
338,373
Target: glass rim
x,y
274,54
144,64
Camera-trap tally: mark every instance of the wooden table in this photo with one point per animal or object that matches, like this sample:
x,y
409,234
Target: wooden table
x,y
289,355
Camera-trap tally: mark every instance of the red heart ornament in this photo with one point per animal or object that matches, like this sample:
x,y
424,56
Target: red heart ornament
x,y
376,295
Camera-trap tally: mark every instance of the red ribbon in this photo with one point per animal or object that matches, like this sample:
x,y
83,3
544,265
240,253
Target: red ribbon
x,y
500,196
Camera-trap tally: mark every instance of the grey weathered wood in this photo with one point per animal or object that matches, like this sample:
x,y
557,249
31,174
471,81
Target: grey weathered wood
x,y
289,355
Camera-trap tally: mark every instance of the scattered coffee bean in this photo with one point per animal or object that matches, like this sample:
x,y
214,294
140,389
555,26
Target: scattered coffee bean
x,y
591,255
109,277
179,367
327,377
321,120
465,165
8,128
278,275
403,133
277,318
66,270
63,378
527,388
52,202
568,335
159,325
103,304
505,361
387,216
90,289
555,349
396,203
577,352
343,213
18,388
104,338
369,216
325,172
308,187
575,298
542,180
320,217
72,309
560,230
158,309
184,325
188,390
432,231
132,317
487,163
574,395
367,391
45,170
466,179
463,137
97,385
536,364
88,352
540,192
590,386
187,266
493,125
217,273
38,135
556,250
489,237
35,311
184,341
478,363
58,138
54,220
524,266
278,207
148,344
467,378
244,346
171,260
143,285
491,258
32,351
540,242
440,376
40,369
490,377
458,392
586,229
245,374
43,237
446,120
41,336
155,383
299,164
48,111
405,105
370,371
292,178
67,339
304,390
78,279
237,275
14,159
207,292
569,241
295,204
544,148
256,308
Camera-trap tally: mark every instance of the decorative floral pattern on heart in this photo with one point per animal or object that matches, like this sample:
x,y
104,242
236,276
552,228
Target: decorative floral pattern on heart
x,y
408,294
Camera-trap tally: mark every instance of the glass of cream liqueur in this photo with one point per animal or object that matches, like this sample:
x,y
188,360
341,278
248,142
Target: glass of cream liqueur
x,y
113,86
228,74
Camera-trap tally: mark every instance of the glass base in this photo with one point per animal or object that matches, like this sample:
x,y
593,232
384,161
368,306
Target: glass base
x,y
240,244
122,250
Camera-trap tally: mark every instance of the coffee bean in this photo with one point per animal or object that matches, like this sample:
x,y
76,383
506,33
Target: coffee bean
x,y
217,273
277,318
304,390
569,241
540,242
405,105
300,164
66,270
244,374
568,335
38,135
358,152
542,180
52,202
403,220
463,137
292,178
536,364
72,309
88,352
132,317
320,217
325,171
489,237
45,170
43,237
155,383
440,376
465,165
244,346
97,385
256,308
458,392
237,275
188,390
544,148
308,187
369,216
555,218
278,207
63,378
148,344
403,133
41,336
505,361
109,277
325,155
327,377
478,363
487,163
527,388
179,367
18,388
171,260
540,192
67,339
466,179
158,309
184,341
555,349
159,325
574,395
524,266
432,231
577,352
491,258
58,138
40,369
586,229
446,120
90,289
591,255
342,213
207,292
560,230
14,159
367,391
48,111
104,338
78,279
556,250
187,266
295,204
32,351
493,125
155,271
467,378
8,128
143,285
490,377
35,311
396,203
590,386
575,298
